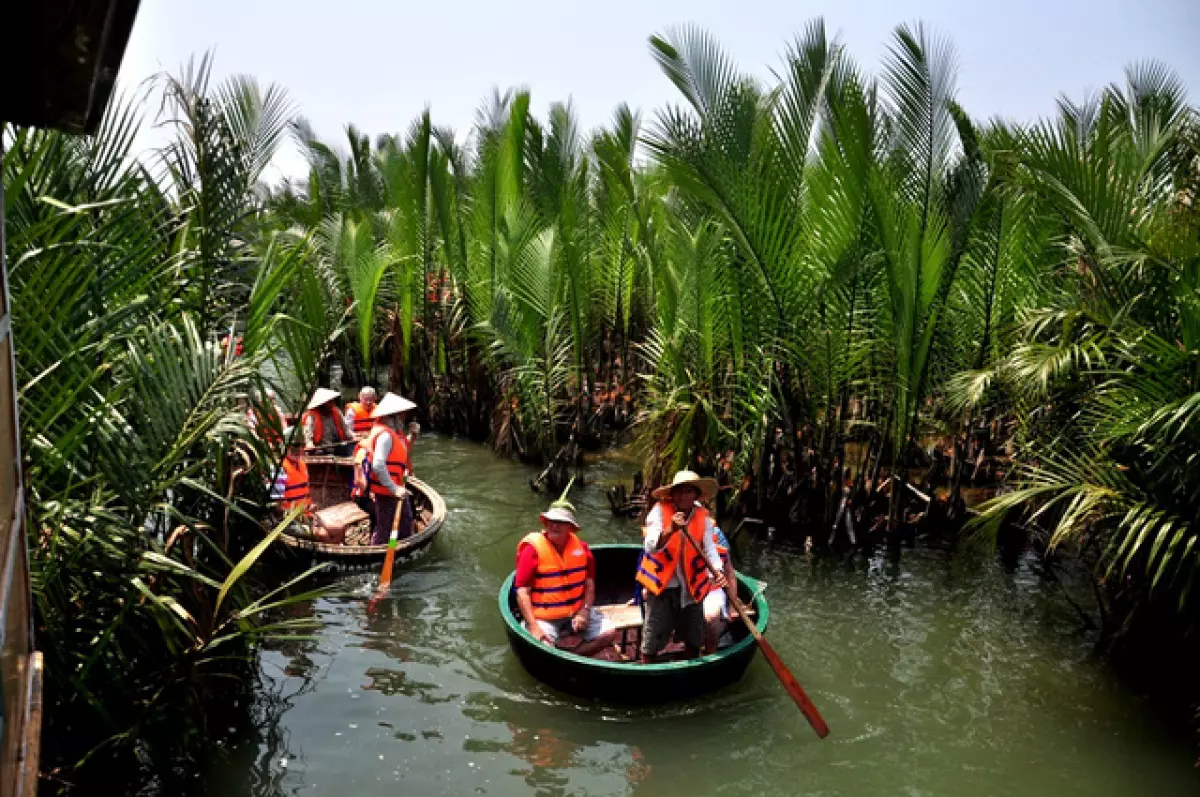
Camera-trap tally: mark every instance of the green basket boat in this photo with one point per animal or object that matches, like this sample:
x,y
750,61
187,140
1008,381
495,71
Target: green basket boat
x,y
630,682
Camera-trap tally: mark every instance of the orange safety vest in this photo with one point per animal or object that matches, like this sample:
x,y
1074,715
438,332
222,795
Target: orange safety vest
x,y
268,427
319,425
561,579
397,461
296,492
362,418
656,570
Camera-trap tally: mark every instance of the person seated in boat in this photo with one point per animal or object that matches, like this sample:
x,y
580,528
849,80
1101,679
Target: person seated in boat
x,y
290,488
358,413
385,453
324,430
556,583
716,602
674,576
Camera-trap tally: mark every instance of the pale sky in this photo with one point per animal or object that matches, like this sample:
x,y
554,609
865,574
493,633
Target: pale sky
x,y
378,64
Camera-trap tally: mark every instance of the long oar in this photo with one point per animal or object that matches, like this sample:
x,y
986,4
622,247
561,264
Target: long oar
x,y
790,684
385,578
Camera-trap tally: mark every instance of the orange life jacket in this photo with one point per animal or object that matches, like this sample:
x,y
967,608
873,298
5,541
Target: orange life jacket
x,y
656,570
397,461
339,429
295,491
268,426
362,417
561,579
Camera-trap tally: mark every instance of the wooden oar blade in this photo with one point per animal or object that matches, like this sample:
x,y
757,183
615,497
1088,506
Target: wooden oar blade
x,y
793,688
790,684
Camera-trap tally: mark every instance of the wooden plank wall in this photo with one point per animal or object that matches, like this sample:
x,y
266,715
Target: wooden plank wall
x,y
20,666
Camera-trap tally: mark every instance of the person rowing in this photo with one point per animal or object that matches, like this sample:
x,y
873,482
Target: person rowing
x,y
383,464
556,583
675,578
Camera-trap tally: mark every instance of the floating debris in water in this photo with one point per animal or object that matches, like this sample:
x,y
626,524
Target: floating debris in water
x,y
283,763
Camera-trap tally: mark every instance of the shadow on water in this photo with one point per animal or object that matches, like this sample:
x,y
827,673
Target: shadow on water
x,y
939,673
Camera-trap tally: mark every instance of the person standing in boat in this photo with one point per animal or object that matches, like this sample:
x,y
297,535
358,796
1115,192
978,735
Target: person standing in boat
x,y
323,425
675,578
358,413
556,582
386,455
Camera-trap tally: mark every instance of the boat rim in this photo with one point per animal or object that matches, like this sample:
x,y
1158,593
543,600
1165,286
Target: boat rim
x,y
436,501
514,624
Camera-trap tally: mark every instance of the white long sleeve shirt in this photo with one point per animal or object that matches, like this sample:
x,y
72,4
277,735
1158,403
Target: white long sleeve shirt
x,y
656,524
383,448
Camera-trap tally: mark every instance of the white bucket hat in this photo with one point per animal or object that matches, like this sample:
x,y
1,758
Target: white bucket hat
x,y
560,514
323,396
392,404
687,478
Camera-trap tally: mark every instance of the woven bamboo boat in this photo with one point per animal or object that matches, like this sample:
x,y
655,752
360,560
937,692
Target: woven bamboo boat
x,y
627,681
330,479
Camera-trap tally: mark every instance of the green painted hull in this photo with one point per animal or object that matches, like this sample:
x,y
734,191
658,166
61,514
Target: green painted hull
x,y
631,683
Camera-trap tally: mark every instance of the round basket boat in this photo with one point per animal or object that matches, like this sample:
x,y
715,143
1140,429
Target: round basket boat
x,y
631,682
330,480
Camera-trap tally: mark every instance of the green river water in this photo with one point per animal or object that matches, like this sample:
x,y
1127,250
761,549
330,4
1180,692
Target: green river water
x,y
939,674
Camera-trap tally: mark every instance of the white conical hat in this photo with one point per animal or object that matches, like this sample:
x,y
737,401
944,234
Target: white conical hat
x,y
323,396
391,404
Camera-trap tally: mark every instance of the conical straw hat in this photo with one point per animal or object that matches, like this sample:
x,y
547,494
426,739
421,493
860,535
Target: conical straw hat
x,y
323,396
686,478
392,404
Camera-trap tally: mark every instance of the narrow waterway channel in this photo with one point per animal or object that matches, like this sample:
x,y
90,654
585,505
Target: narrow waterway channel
x,y
939,675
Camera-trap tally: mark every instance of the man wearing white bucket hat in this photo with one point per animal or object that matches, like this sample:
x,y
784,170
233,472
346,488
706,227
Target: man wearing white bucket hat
x,y
556,583
386,464
675,579
323,425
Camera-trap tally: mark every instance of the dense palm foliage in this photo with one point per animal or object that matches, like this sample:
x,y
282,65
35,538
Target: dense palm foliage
x,y
810,280
1103,371
143,480
827,258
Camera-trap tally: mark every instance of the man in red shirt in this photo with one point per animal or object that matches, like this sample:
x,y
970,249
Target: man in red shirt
x,y
556,584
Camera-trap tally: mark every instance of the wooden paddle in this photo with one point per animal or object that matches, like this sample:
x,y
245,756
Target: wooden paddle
x,y
385,578
790,684
328,446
